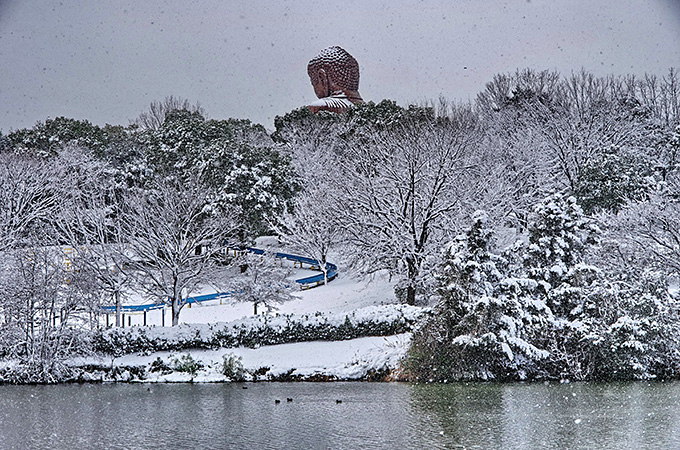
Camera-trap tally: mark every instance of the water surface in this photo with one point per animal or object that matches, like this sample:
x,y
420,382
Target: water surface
x,y
370,415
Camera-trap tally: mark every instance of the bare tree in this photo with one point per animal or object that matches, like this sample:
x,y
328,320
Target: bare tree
x,y
90,222
158,110
28,198
311,228
262,281
176,244
653,228
661,96
403,189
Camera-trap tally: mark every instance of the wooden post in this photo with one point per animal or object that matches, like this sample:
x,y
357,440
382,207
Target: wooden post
x,y
130,320
144,318
107,320
163,317
122,322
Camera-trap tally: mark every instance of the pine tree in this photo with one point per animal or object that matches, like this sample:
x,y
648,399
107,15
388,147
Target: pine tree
x,y
477,331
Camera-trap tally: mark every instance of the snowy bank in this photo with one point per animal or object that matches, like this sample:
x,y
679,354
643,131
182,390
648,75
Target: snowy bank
x,y
368,358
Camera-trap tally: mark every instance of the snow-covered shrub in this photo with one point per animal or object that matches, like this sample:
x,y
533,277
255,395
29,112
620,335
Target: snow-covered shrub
x,y
638,338
158,365
186,364
261,330
232,367
35,372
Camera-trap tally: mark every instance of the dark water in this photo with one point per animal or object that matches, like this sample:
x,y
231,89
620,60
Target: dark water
x,y
371,416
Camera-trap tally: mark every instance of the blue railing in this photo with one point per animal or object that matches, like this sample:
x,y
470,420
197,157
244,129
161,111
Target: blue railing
x,y
304,283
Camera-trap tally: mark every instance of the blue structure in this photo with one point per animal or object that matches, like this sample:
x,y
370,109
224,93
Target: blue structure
x,y
304,283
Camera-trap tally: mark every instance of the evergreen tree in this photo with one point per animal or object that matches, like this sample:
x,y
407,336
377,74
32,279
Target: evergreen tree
x,y
611,178
47,139
477,331
241,174
558,236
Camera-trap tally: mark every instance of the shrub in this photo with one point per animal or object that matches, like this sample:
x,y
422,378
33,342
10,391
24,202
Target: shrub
x,y
261,330
158,365
186,364
232,367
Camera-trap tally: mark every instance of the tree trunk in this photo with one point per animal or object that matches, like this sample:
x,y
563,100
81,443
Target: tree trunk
x,y
118,308
255,308
412,274
410,295
175,312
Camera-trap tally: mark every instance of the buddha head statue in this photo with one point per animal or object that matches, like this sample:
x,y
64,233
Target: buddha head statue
x,y
334,74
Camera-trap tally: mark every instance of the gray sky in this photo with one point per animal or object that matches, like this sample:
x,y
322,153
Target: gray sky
x,y
105,61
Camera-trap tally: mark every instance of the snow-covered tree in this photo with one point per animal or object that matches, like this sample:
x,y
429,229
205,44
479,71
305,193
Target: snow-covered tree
x,y
301,128
47,139
176,242
262,281
29,198
402,185
234,160
39,299
653,229
251,183
558,236
91,224
311,228
478,330
590,136
611,178
604,323
661,97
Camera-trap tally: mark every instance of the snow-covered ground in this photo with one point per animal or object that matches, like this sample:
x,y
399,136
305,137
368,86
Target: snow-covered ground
x,y
349,359
344,294
342,360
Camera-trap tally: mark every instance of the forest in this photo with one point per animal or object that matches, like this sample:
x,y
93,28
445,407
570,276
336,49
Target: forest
x,y
540,223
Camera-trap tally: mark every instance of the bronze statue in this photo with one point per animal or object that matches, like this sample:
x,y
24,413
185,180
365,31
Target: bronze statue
x,y
334,73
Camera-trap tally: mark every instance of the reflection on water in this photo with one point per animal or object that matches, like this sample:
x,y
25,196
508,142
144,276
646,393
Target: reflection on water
x,y
370,415
574,416
466,414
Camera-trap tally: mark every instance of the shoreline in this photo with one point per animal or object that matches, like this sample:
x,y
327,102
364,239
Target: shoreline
x,y
376,358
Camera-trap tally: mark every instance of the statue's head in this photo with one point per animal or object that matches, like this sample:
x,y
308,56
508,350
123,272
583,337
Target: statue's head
x,y
333,70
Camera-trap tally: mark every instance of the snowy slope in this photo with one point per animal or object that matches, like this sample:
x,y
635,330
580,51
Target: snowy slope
x,y
349,359
344,294
341,360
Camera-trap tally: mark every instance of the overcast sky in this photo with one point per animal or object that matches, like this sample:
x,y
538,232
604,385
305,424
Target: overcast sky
x,y
105,61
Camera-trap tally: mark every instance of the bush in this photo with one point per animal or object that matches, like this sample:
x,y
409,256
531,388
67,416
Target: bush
x,y
232,367
261,330
158,365
186,364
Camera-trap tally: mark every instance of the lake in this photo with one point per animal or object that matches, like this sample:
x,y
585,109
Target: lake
x,y
369,415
